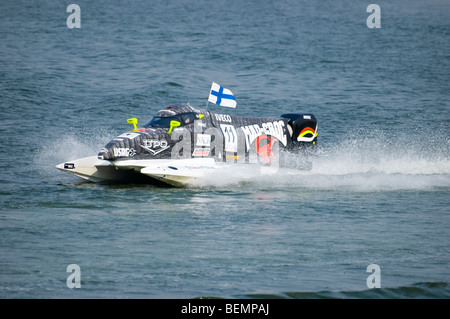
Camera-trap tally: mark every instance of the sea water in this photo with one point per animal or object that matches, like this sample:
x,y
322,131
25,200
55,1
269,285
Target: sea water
x,y
377,193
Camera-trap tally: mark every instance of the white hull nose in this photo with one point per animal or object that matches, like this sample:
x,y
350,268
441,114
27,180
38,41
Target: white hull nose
x,y
91,169
175,173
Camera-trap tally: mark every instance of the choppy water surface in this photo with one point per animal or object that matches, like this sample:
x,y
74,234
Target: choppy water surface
x,y
378,192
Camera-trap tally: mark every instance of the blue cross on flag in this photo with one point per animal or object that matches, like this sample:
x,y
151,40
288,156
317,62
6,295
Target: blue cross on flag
x,y
221,96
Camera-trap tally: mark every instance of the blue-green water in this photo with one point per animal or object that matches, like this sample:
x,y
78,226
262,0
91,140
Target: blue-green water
x,y
378,192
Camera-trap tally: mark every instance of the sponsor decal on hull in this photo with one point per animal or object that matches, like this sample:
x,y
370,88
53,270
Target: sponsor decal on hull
x,y
274,129
155,146
124,152
223,118
201,152
203,139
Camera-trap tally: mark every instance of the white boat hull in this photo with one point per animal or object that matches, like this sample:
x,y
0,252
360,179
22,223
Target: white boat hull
x,y
178,173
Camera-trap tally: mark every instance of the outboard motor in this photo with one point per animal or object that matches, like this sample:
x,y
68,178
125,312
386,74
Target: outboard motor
x,y
304,129
302,146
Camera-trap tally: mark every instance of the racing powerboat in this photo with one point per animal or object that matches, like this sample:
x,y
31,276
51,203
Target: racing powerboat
x,y
181,144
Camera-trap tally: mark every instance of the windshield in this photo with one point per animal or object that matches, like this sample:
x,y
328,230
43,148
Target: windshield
x,y
164,121
157,121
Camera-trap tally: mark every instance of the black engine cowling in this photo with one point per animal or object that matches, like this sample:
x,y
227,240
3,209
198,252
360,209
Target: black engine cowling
x,y
304,128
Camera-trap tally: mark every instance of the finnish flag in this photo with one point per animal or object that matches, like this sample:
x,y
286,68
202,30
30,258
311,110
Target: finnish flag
x,y
221,96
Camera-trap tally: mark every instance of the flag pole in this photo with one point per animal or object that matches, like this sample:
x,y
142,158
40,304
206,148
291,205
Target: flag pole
x,y
207,101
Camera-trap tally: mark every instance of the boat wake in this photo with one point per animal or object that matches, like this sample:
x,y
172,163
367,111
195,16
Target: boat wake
x,y
364,164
